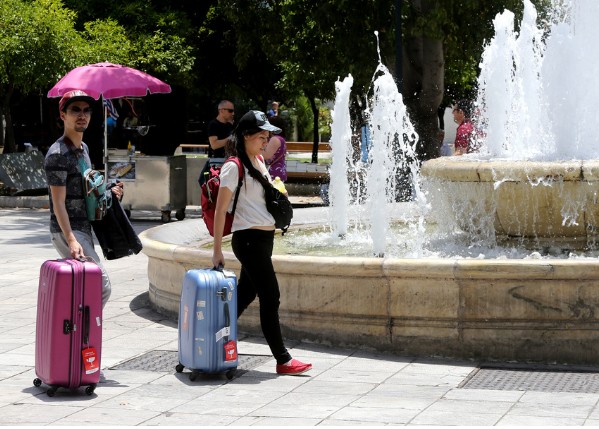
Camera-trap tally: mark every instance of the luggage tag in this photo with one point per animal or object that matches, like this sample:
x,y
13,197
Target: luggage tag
x,y
231,351
90,360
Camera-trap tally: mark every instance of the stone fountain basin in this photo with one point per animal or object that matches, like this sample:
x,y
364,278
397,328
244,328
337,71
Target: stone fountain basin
x,y
549,202
525,310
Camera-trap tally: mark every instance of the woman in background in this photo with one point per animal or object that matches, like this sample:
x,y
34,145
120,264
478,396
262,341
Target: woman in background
x,y
276,151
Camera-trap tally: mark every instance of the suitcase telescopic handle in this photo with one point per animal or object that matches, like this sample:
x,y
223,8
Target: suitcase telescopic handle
x,y
227,320
86,324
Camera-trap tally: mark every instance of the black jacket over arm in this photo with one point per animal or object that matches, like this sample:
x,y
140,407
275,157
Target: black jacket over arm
x,y
115,233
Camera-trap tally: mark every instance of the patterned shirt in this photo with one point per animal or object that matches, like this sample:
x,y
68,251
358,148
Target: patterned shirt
x,y
62,169
464,136
279,166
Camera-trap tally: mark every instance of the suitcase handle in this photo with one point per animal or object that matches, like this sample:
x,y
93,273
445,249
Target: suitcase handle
x,y
86,325
227,320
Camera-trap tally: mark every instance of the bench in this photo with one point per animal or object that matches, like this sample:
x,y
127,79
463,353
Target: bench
x,y
186,147
294,147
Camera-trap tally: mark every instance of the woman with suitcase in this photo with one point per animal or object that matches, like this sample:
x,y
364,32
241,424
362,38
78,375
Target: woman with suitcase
x,y
253,233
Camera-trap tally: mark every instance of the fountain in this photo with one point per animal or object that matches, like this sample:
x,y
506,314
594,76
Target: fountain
x,y
539,181
535,308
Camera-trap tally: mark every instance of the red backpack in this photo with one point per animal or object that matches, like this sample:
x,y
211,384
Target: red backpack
x,y
210,194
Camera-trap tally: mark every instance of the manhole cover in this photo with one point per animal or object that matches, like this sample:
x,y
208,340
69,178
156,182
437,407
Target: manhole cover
x,y
167,360
540,380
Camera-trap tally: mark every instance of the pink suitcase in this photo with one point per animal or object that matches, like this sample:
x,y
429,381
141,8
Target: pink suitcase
x,y
68,337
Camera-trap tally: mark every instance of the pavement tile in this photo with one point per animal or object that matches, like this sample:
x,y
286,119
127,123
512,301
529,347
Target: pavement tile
x,y
108,416
449,418
356,376
187,419
336,422
485,395
335,387
411,391
560,398
375,415
470,406
295,410
36,415
512,420
541,409
372,400
145,397
424,379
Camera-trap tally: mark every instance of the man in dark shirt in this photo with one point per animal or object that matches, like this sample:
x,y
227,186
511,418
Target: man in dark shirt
x,y
220,128
70,229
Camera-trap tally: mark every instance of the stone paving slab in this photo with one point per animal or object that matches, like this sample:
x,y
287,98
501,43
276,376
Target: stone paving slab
x,y
350,387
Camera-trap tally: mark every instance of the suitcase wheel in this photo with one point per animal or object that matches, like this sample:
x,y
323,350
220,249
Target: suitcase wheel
x,y
194,374
51,391
231,373
90,389
179,368
37,382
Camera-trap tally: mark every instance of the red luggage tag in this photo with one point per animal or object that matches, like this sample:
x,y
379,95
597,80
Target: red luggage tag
x,y
90,360
231,351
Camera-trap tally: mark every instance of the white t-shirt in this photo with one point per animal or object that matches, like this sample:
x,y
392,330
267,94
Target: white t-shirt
x,y
251,205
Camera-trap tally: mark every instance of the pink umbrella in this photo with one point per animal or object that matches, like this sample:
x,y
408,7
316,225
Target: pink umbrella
x,y
109,81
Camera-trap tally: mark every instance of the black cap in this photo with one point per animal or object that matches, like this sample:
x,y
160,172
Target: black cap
x,y
254,120
71,97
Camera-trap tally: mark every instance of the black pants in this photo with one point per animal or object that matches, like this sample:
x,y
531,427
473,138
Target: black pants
x,y
253,248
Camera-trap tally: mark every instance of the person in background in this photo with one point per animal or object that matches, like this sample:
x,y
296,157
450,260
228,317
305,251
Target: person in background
x,y
253,234
274,110
131,120
465,133
220,128
276,151
70,230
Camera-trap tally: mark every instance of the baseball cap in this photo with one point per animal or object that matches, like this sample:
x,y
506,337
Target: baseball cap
x,y
71,97
255,119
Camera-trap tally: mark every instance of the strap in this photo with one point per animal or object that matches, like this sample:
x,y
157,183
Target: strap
x,y
279,157
82,164
275,160
241,173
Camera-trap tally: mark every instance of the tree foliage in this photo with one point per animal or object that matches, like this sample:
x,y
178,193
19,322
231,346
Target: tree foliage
x,y
35,40
254,51
41,40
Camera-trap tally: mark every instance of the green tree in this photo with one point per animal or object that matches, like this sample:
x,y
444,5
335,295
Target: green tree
x,y
41,40
36,39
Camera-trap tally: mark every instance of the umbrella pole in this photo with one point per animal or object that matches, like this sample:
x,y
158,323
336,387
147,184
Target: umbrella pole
x,y
105,139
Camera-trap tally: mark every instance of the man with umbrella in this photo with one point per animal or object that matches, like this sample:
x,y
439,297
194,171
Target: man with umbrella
x,y
71,231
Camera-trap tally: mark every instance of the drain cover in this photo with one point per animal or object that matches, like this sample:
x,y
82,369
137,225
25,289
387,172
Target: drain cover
x,y
167,360
540,380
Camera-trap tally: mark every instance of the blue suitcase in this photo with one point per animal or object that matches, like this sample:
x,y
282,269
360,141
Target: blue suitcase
x,y
208,323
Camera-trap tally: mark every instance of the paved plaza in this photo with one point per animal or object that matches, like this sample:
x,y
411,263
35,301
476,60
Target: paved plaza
x,y
345,387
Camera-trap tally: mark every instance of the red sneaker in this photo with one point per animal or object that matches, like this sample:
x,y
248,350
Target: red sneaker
x,y
295,367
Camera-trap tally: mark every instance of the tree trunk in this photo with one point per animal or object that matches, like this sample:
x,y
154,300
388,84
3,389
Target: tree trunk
x,y
1,129
316,136
424,86
9,139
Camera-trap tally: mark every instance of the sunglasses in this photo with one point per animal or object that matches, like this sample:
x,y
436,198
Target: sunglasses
x,y
77,110
229,110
